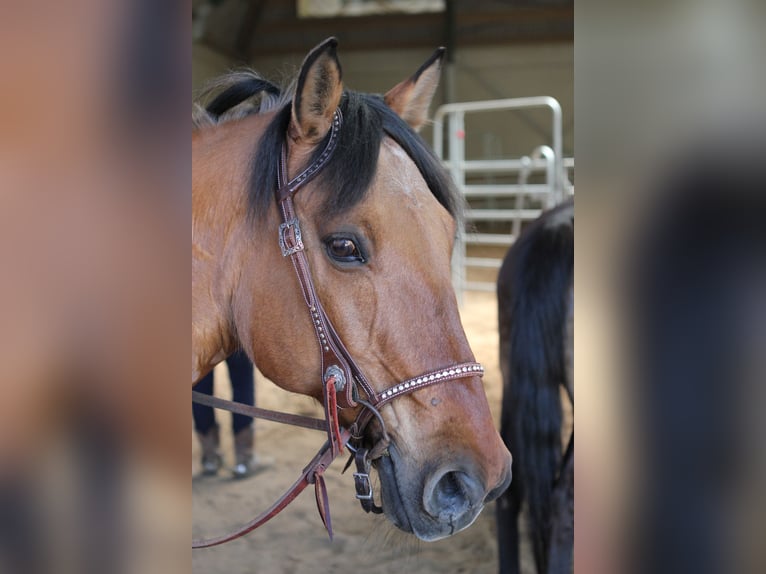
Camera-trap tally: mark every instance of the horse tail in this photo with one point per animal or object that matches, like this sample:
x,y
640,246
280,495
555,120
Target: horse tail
x,y
533,295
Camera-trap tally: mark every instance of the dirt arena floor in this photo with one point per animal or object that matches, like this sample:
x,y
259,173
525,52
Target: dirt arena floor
x,y
295,541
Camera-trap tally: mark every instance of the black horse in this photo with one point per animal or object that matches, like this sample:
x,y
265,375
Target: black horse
x,y
535,303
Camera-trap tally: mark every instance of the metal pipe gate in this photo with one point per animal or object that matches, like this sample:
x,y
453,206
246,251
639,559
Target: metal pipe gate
x,y
546,158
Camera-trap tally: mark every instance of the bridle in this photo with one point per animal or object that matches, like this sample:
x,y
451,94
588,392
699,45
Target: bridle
x,y
344,386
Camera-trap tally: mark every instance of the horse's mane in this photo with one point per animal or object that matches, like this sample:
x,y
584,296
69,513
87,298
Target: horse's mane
x,y
349,173
234,96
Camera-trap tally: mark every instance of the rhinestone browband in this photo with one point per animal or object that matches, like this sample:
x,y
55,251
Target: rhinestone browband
x,y
411,385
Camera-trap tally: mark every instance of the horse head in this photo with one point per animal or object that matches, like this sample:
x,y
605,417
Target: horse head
x,y
377,228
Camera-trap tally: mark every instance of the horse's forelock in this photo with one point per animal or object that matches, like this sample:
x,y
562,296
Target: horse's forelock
x,y
349,173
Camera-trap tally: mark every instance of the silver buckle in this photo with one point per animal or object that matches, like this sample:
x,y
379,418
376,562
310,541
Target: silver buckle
x,y
361,481
283,229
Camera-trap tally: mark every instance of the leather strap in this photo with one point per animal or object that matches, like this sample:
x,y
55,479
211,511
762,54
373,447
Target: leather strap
x,y
460,371
335,358
258,413
312,474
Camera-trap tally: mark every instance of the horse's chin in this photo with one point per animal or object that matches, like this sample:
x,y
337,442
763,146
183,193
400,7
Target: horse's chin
x,y
403,506
393,508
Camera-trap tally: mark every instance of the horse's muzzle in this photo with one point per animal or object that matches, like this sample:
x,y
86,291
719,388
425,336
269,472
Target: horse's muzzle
x,y
450,500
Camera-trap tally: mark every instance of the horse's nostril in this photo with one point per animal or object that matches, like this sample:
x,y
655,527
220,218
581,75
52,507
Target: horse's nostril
x,y
451,494
448,493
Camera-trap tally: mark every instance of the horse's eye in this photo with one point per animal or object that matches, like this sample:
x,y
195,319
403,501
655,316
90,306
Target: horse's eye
x,y
344,250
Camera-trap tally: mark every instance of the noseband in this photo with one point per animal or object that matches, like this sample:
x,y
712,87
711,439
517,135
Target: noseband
x,y
344,386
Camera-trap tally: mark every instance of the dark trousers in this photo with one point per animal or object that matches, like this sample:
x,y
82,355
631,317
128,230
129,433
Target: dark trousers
x,y
242,377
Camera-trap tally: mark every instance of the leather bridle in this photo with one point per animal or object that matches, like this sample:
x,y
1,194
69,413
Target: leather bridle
x,y
344,386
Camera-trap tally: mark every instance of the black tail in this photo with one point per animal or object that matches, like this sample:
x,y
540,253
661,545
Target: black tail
x,y
533,295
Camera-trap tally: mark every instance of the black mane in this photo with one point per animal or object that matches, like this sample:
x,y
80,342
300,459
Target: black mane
x,y
349,173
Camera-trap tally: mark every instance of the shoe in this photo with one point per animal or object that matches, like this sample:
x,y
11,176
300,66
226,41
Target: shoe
x,y
243,453
255,465
211,464
211,456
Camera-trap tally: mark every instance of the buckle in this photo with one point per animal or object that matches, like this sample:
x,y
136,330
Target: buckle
x,y
362,483
290,245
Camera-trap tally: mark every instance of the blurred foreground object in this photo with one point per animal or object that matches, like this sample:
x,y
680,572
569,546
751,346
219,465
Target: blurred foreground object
x,y
698,310
94,212
670,286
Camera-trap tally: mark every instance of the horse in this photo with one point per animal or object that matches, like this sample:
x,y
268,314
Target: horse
x,y
345,284
535,293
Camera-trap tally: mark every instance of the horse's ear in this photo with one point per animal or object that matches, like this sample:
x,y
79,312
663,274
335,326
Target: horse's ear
x,y
317,94
410,99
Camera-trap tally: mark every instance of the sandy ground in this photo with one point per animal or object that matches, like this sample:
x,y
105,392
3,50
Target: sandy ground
x,y
295,541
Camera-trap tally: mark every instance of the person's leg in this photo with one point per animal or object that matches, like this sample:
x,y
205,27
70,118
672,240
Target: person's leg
x,y
241,373
207,428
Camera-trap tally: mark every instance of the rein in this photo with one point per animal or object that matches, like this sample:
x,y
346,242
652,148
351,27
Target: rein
x,y
342,379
